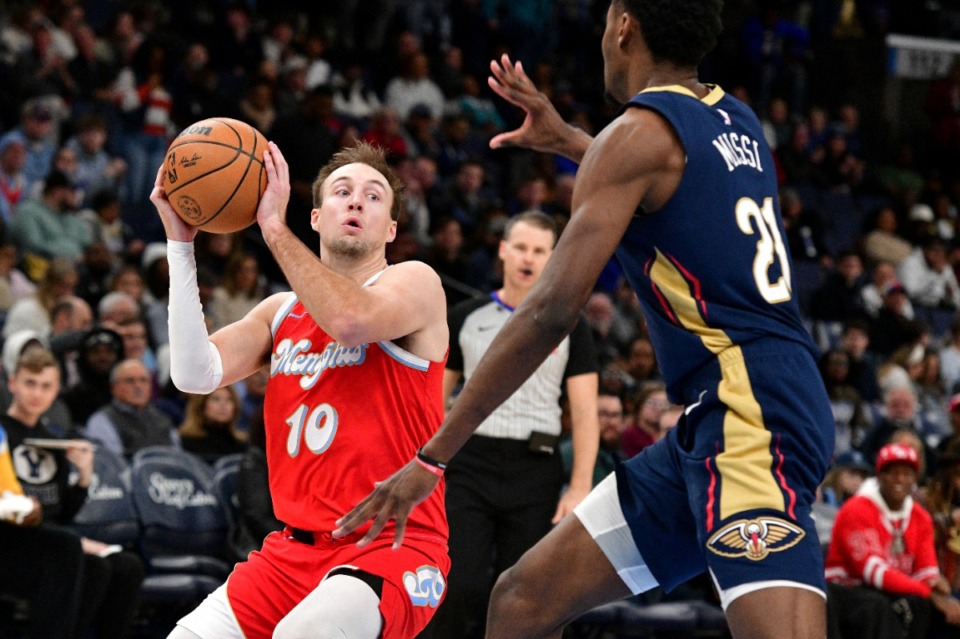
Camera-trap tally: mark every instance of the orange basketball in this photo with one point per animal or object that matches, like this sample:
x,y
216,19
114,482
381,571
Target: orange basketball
x,y
214,174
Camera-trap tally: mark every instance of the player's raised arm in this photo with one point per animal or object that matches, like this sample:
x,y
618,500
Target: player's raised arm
x,y
197,362
542,129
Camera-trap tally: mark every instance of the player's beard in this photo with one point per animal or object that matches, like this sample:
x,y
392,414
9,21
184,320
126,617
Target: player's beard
x,y
349,247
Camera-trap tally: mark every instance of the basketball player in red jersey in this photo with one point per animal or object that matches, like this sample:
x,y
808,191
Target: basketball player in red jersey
x,y
356,355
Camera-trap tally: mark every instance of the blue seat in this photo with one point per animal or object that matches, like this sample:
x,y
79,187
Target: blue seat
x,y
109,514
178,503
184,524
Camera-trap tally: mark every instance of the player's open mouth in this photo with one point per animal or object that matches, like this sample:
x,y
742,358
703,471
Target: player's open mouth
x,y
353,222
526,272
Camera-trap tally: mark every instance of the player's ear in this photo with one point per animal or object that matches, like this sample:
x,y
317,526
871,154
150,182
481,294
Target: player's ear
x,y
392,235
315,219
627,28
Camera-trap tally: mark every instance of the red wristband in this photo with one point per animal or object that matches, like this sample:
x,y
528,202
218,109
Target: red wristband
x,y
436,470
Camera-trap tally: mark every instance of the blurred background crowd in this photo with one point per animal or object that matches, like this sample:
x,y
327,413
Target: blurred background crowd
x,y
95,90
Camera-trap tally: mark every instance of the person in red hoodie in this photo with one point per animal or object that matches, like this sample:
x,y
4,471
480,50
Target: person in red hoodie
x,y
881,567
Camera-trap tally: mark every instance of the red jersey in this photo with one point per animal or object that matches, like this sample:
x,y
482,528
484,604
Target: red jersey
x,y
863,547
339,419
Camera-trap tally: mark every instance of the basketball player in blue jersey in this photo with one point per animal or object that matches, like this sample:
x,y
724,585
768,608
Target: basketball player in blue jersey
x,y
682,186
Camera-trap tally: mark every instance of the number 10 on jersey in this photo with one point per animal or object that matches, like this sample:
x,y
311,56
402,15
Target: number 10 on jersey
x,y
316,430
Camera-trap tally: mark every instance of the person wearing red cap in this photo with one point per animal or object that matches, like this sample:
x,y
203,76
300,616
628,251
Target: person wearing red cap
x,y
881,567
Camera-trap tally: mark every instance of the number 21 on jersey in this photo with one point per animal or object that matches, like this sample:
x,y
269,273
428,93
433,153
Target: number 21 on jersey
x,y
316,429
770,243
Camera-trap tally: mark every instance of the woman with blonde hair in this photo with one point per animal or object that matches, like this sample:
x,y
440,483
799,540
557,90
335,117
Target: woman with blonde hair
x,y
240,290
209,429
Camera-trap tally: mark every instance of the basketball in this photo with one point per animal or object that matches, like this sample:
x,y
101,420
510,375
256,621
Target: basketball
x,y
214,175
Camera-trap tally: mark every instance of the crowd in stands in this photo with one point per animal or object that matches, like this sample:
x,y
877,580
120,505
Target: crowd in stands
x,y
94,91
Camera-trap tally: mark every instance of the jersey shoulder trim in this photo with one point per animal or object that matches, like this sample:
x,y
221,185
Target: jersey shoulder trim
x,y
404,356
282,313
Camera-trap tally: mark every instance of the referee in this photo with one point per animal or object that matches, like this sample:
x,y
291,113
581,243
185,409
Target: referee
x,y
503,489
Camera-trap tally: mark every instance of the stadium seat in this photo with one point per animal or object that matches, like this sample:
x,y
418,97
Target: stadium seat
x,y
184,524
109,514
178,504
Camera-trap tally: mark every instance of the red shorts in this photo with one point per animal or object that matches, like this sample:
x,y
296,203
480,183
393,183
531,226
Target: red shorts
x,y
263,589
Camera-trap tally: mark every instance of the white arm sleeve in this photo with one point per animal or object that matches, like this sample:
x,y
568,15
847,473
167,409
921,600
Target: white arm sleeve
x,y
195,364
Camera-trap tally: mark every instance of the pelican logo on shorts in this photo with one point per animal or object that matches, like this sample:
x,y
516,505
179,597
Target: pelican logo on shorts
x,y
755,538
425,586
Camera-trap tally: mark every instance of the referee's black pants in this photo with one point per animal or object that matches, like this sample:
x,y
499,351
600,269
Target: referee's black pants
x,y
500,500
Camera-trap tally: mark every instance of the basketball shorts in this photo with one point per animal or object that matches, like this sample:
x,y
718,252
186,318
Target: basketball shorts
x,y
730,489
263,589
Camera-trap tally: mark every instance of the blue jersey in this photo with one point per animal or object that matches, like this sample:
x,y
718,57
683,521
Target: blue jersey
x,y
711,268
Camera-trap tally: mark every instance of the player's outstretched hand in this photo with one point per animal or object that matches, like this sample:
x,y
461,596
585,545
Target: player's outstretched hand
x,y
273,203
173,224
543,129
393,498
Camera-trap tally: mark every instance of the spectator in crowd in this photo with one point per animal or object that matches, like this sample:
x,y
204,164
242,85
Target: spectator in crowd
x,y
110,580
100,351
258,106
49,227
414,86
13,182
33,312
446,257
892,329
385,131
927,276
96,169
598,312
354,97
641,362
612,423
882,277
805,232
209,429
481,111
839,298
240,290
644,428
883,243
130,421
37,128
882,551
14,284
900,406
40,564
851,416
465,197
116,308
105,225
845,477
